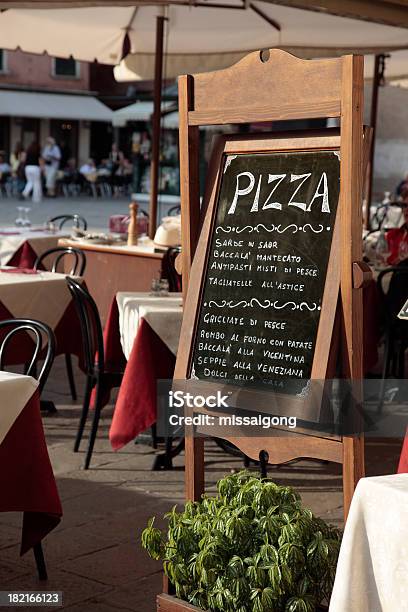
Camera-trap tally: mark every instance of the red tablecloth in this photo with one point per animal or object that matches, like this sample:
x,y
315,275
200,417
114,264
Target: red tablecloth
x,y
24,257
150,360
27,483
403,462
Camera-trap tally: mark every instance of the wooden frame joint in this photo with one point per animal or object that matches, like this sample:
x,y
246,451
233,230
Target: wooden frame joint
x,y
362,275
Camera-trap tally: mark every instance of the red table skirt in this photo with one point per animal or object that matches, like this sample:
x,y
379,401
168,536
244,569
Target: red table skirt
x,y
136,407
150,360
27,482
403,462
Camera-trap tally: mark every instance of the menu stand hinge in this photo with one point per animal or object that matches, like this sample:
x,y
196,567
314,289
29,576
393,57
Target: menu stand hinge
x,y
362,275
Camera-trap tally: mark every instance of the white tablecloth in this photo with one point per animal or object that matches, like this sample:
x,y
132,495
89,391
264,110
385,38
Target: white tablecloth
x,y
164,315
11,239
43,296
15,391
372,572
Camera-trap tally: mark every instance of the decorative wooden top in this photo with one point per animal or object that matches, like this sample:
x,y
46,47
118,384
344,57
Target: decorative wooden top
x,y
294,87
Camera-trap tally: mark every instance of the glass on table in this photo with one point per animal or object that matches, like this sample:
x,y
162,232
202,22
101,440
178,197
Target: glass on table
x,y
26,221
50,226
19,219
164,287
155,289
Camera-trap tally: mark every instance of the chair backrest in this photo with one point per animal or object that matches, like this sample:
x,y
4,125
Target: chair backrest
x,y
61,253
91,327
78,221
168,269
397,293
41,332
174,210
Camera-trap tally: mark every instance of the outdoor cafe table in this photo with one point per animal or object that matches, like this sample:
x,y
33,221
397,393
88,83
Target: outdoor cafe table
x,y
43,296
21,246
113,268
372,568
27,481
142,334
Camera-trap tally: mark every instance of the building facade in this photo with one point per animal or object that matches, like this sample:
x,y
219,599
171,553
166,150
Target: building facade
x,y
41,96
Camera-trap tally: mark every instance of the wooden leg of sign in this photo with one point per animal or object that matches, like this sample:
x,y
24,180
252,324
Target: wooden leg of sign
x,y
194,468
351,150
353,468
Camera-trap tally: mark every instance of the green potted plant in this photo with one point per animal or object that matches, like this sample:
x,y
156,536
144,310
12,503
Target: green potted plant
x,y
251,548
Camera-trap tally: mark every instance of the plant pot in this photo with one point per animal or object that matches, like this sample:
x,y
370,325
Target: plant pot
x,y
168,603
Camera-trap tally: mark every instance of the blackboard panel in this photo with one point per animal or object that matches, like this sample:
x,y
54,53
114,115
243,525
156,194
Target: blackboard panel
x,y
266,270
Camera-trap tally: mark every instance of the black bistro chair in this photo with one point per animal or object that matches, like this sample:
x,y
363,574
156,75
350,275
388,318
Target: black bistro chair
x,y
96,375
11,330
61,254
78,221
56,256
174,210
169,271
395,329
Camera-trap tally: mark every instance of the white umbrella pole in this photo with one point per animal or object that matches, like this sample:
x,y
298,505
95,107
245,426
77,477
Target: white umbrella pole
x,y
157,95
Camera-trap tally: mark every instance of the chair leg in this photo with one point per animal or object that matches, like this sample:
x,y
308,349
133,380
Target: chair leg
x,y
95,423
84,413
71,379
40,562
153,430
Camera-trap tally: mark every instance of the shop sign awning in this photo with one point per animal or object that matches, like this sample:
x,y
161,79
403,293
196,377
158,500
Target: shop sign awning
x,y
53,106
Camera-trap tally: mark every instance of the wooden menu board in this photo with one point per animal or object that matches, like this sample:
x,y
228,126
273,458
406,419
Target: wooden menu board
x,y
317,180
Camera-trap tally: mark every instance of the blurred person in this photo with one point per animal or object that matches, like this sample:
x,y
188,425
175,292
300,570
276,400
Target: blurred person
x,y
402,186
5,168
33,172
52,157
17,159
5,173
88,170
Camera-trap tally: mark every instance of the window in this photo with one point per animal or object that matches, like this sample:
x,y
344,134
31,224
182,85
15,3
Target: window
x,y
3,63
65,68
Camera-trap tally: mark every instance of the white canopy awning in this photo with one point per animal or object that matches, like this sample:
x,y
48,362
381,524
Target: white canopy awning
x,y
198,38
52,106
143,111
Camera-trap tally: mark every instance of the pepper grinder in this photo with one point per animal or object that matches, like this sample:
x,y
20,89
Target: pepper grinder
x,y
132,228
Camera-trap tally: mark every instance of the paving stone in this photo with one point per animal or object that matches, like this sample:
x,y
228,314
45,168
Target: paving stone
x,y
137,595
113,566
9,536
75,588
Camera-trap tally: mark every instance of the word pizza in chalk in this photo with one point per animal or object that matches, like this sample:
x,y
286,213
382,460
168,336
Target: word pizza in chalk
x,y
243,187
